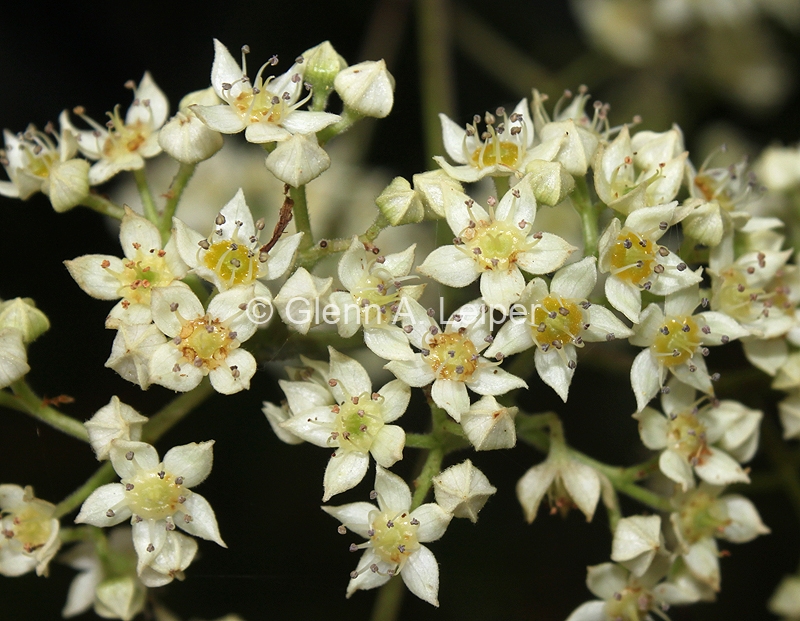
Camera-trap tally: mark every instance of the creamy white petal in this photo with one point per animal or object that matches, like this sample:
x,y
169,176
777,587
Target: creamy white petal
x,y
95,509
433,521
312,425
355,516
554,371
645,378
625,297
532,487
492,380
389,342
421,575
345,470
203,522
719,468
450,266
393,493
221,118
281,256
676,468
415,372
351,374
583,485
192,462
549,253
451,396
653,428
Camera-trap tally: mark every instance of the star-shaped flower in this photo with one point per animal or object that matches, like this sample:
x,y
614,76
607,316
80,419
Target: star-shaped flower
x,y
395,534
495,246
266,108
342,412
203,342
124,144
156,495
709,439
28,532
451,359
232,255
558,321
147,264
672,339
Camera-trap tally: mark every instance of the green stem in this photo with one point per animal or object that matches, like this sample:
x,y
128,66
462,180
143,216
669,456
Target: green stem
x,y
501,186
589,214
389,601
31,403
104,474
375,229
185,173
349,118
172,413
436,71
77,533
421,440
301,219
102,205
432,467
148,202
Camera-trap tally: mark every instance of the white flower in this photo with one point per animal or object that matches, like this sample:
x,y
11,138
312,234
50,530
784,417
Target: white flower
x,y
115,421
673,338
38,161
489,425
267,109
700,438
451,358
109,584
203,342
637,540
703,515
124,144
13,357
396,535
28,532
572,134
636,262
366,88
556,322
374,293
566,482
496,246
342,412
132,351
185,137
627,180
298,159
146,265
233,255
157,496
462,490
504,148
623,595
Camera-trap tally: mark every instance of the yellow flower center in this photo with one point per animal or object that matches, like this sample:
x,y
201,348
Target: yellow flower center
x,y
734,297
234,263
146,270
452,356
154,495
359,420
677,340
32,526
494,245
124,139
394,537
687,437
556,322
260,105
702,516
633,257
375,297
493,152
206,342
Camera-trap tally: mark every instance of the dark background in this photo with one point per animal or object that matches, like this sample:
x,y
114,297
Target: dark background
x,y
285,559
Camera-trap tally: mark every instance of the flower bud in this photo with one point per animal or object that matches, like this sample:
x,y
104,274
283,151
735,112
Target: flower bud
x,y
185,137
400,204
68,184
489,425
322,65
22,314
637,539
704,224
550,181
367,88
14,361
298,160
436,188
115,421
462,490
120,597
